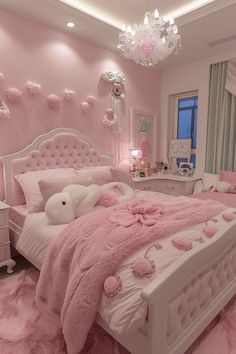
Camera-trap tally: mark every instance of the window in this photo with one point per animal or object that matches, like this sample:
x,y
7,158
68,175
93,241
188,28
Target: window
x,y
187,123
184,120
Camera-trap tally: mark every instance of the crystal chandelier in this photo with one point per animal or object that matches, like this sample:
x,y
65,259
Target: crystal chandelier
x,y
151,41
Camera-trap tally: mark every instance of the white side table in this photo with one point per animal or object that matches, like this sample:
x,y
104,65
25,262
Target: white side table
x,y
166,183
5,250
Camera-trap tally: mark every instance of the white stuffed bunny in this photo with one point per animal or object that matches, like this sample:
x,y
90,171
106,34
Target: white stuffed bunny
x,y
59,209
77,200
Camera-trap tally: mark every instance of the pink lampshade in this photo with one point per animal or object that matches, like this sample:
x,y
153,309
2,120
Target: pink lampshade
x,y
136,153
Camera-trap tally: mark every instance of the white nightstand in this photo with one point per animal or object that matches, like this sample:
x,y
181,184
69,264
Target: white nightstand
x,y
5,251
166,183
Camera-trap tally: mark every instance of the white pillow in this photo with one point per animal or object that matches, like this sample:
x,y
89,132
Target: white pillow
x,y
198,187
29,183
209,180
208,183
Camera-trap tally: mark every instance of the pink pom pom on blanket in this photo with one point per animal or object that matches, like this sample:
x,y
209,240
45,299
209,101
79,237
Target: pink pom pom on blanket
x,y
144,268
112,286
229,216
182,244
210,231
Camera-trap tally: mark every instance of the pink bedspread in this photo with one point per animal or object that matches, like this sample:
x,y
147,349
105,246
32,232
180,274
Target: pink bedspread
x,y
228,199
90,249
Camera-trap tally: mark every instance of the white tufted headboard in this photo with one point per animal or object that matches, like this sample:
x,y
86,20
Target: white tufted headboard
x,y
61,147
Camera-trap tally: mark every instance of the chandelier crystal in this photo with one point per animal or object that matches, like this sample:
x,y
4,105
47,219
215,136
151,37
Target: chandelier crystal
x,y
151,41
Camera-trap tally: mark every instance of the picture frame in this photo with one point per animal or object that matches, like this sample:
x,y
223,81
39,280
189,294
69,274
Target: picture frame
x,y
186,169
137,174
142,130
180,148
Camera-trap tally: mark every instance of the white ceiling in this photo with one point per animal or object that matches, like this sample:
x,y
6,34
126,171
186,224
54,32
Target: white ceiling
x,y
99,21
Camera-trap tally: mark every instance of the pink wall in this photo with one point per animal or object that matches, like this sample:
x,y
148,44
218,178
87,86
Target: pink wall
x,y
30,51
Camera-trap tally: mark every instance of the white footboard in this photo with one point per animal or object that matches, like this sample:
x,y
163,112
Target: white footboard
x,y
185,298
183,302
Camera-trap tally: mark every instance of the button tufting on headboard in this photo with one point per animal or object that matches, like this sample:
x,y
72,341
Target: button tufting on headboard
x,y
62,147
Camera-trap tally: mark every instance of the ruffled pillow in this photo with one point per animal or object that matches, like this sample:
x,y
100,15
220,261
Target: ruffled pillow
x,y
229,177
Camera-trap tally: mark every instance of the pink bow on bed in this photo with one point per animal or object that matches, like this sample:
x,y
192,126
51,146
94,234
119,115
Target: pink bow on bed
x,y
137,211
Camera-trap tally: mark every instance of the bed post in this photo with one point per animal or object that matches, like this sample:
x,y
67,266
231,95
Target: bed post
x,y
157,325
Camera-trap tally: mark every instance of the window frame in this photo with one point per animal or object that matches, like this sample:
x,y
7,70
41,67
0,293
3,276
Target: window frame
x,y
173,116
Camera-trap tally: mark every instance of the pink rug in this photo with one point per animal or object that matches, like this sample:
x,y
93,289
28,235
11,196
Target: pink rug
x,y
22,328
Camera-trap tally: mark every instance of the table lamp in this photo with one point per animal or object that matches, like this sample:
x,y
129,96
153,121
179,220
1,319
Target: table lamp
x,y
135,153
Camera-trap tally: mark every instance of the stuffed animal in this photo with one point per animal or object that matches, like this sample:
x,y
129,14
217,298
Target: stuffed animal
x,y
77,200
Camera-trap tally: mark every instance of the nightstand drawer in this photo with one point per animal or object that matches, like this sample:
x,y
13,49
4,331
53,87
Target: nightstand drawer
x,y
4,235
4,217
171,187
149,187
168,184
5,252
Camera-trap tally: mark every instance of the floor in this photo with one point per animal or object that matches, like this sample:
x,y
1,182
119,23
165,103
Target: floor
x,y
21,263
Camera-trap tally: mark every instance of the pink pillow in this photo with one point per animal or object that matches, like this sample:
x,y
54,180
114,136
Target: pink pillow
x,y
118,175
95,175
29,183
232,189
227,176
85,176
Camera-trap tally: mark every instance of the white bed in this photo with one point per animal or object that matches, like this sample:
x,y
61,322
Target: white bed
x,y
211,265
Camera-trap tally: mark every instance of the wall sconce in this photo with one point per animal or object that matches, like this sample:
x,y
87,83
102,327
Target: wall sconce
x,y
135,153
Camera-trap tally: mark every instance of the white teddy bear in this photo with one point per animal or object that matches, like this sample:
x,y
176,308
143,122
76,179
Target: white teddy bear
x,y
77,200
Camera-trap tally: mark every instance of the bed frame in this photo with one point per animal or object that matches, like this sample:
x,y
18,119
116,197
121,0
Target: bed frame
x,y
60,148
185,298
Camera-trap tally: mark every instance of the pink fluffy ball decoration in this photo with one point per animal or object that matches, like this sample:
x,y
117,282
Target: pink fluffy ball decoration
x,y
85,108
144,268
112,286
53,101
13,95
92,100
182,244
229,216
210,231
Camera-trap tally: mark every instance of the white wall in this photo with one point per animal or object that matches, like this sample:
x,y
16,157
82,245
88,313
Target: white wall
x,y
189,77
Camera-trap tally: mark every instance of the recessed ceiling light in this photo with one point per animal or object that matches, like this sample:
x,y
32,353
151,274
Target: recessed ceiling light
x,y
70,24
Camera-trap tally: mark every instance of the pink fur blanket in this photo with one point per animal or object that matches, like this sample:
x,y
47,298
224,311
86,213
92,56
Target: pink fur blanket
x,y
90,249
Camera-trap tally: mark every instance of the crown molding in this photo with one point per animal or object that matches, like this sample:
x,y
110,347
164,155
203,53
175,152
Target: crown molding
x,y
202,11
